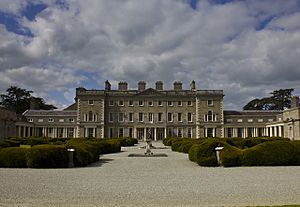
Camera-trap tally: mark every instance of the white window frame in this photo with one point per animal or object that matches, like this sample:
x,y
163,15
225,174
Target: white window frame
x,y
160,103
30,119
189,132
179,103
121,117
110,117
189,103
91,102
179,115
71,120
51,120
130,103
180,129
189,119
61,120
240,120
141,103
210,104
40,120
121,102
111,103
150,103
119,130
141,117
150,117
170,115
160,118
170,103
130,116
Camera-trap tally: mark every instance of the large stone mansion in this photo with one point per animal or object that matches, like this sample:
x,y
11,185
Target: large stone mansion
x,y
156,113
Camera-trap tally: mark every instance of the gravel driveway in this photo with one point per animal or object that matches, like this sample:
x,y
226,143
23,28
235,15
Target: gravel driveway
x,y
119,180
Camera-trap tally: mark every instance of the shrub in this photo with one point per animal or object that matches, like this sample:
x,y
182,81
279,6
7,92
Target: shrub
x,y
275,153
127,141
231,156
13,157
169,141
47,156
4,144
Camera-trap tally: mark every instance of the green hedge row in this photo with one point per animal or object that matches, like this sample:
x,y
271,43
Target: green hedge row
x,y
260,151
56,156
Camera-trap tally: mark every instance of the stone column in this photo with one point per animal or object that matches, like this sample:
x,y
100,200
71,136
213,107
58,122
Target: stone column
x,y
155,134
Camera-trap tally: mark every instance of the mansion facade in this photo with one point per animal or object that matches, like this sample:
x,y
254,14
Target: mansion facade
x,y
157,113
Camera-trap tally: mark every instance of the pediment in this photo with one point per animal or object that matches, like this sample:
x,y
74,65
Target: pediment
x,y
150,92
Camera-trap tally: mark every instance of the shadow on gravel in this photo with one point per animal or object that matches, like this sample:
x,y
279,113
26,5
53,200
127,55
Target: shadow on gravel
x,y
100,162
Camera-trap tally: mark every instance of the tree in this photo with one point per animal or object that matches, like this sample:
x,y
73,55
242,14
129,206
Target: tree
x,y
18,100
280,100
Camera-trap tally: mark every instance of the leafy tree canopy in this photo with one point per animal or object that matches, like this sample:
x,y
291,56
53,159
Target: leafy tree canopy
x,y
279,100
18,100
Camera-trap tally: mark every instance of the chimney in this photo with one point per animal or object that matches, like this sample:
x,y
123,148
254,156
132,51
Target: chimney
x,y
159,85
123,86
193,86
107,85
141,85
295,102
177,85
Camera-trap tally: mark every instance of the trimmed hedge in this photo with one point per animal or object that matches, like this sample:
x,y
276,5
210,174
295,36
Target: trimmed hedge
x,y
47,156
276,153
127,141
13,157
231,156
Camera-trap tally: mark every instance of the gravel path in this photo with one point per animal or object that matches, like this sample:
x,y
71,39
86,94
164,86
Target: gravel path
x,y
119,180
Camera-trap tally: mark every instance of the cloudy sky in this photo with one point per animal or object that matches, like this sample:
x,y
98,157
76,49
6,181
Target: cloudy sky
x,y
247,48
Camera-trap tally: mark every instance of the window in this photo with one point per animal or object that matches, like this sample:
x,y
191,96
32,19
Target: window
x,y
130,103
179,132
179,103
91,102
90,132
179,117
229,132
170,117
260,120
240,120
160,103
61,120
141,117
121,132
229,120
70,132
240,132
40,120
189,117
189,103
121,103
150,103
250,120
210,132
50,120
270,120
91,116
30,120
111,132
130,132
60,132
189,132
121,117
150,117
209,116
170,103
210,102
111,102
130,117
159,117
250,132
141,103
71,120
170,132
110,117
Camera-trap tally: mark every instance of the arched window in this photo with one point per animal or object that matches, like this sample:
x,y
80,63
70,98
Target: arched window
x,y
209,116
91,116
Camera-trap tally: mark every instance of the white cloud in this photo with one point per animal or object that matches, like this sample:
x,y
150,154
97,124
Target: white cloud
x,y
217,45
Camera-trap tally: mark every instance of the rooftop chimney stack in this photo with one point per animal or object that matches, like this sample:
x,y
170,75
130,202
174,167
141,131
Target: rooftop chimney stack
x,y
159,85
107,85
193,86
141,85
295,102
177,85
123,86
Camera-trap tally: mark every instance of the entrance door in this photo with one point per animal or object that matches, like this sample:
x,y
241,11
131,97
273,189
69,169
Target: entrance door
x,y
140,133
150,133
